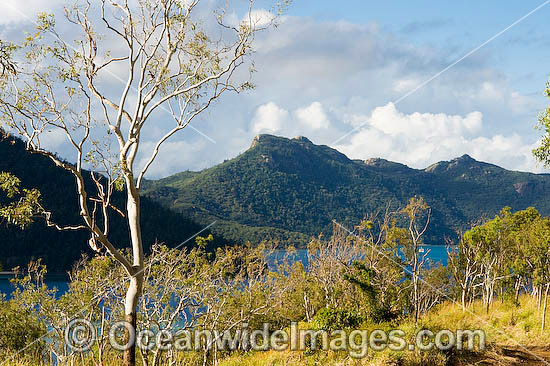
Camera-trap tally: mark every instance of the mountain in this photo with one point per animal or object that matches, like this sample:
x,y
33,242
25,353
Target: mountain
x,y
292,189
59,250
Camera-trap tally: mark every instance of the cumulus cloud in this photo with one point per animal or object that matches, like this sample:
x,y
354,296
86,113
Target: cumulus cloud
x,y
420,139
313,116
269,118
422,125
259,18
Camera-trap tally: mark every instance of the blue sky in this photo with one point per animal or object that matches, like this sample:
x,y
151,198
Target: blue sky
x,y
455,27
334,67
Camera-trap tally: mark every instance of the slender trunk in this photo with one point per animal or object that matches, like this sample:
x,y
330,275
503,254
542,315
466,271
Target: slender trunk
x,y
306,306
518,286
539,294
489,300
415,271
130,353
136,281
544,308
416,300
463,300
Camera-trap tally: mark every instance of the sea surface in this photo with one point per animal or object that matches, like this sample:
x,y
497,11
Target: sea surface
x,y
437,254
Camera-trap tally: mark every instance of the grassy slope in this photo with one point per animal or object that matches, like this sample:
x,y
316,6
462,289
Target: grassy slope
x,y
513,337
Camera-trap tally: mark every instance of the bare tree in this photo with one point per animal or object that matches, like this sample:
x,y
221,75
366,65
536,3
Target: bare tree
x,y
171,62
464,268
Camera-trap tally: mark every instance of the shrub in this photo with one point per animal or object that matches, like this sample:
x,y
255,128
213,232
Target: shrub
x,y
19,327
330,319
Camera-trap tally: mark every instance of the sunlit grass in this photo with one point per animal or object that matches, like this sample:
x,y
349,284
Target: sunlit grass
x,y
506,324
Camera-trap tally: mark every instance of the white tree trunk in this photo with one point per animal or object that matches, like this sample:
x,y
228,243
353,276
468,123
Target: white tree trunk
x,y
544,307
136,280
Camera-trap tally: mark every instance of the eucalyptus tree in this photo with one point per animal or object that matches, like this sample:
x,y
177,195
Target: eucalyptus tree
x,y
491,254
542,152
167,57
464,268
418,214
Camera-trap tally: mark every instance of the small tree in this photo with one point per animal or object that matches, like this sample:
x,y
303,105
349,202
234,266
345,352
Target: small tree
x,y
171,63
463,267
411,239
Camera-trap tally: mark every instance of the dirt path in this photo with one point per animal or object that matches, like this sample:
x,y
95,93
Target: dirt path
x,y
512,355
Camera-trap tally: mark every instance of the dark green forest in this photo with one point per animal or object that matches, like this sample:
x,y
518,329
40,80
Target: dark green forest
x,y
291,189
59,250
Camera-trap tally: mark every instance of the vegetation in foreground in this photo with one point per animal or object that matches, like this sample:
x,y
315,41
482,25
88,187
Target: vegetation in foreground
x,y
374,277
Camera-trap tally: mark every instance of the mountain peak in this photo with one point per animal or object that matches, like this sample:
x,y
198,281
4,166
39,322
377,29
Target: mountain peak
x,y
302,139
383,163
464,158
263,138
267,138
461,165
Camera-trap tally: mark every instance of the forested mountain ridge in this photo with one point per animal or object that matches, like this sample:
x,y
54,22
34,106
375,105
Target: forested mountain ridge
x,y
59,250
288,189
292,189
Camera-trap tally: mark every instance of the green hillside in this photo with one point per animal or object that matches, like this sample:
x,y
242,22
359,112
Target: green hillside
x,y
292,189
59,250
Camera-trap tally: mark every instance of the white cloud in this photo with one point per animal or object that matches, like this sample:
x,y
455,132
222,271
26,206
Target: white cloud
x,y
422,125
313,116
269,118
259,18
406,85
420,139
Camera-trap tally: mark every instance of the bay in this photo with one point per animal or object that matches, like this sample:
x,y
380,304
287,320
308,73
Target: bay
x,y
437,254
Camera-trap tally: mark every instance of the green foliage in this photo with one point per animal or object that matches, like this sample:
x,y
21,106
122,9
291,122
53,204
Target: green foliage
x,y
330,319
25,205
350,282
364,278
542,153
19,328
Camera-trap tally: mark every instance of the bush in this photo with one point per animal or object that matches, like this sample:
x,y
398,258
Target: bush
x,y
19,328
331,319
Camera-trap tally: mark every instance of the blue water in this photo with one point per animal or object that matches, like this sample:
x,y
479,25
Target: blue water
x,y
58,282
437,253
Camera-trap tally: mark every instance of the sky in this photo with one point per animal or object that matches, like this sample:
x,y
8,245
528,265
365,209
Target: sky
x,y
415,82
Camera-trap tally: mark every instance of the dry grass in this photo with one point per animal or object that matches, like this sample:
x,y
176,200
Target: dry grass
x,y
513,332
505,324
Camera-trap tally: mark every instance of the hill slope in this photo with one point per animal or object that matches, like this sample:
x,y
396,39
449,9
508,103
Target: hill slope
x,y
292,189
59,250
